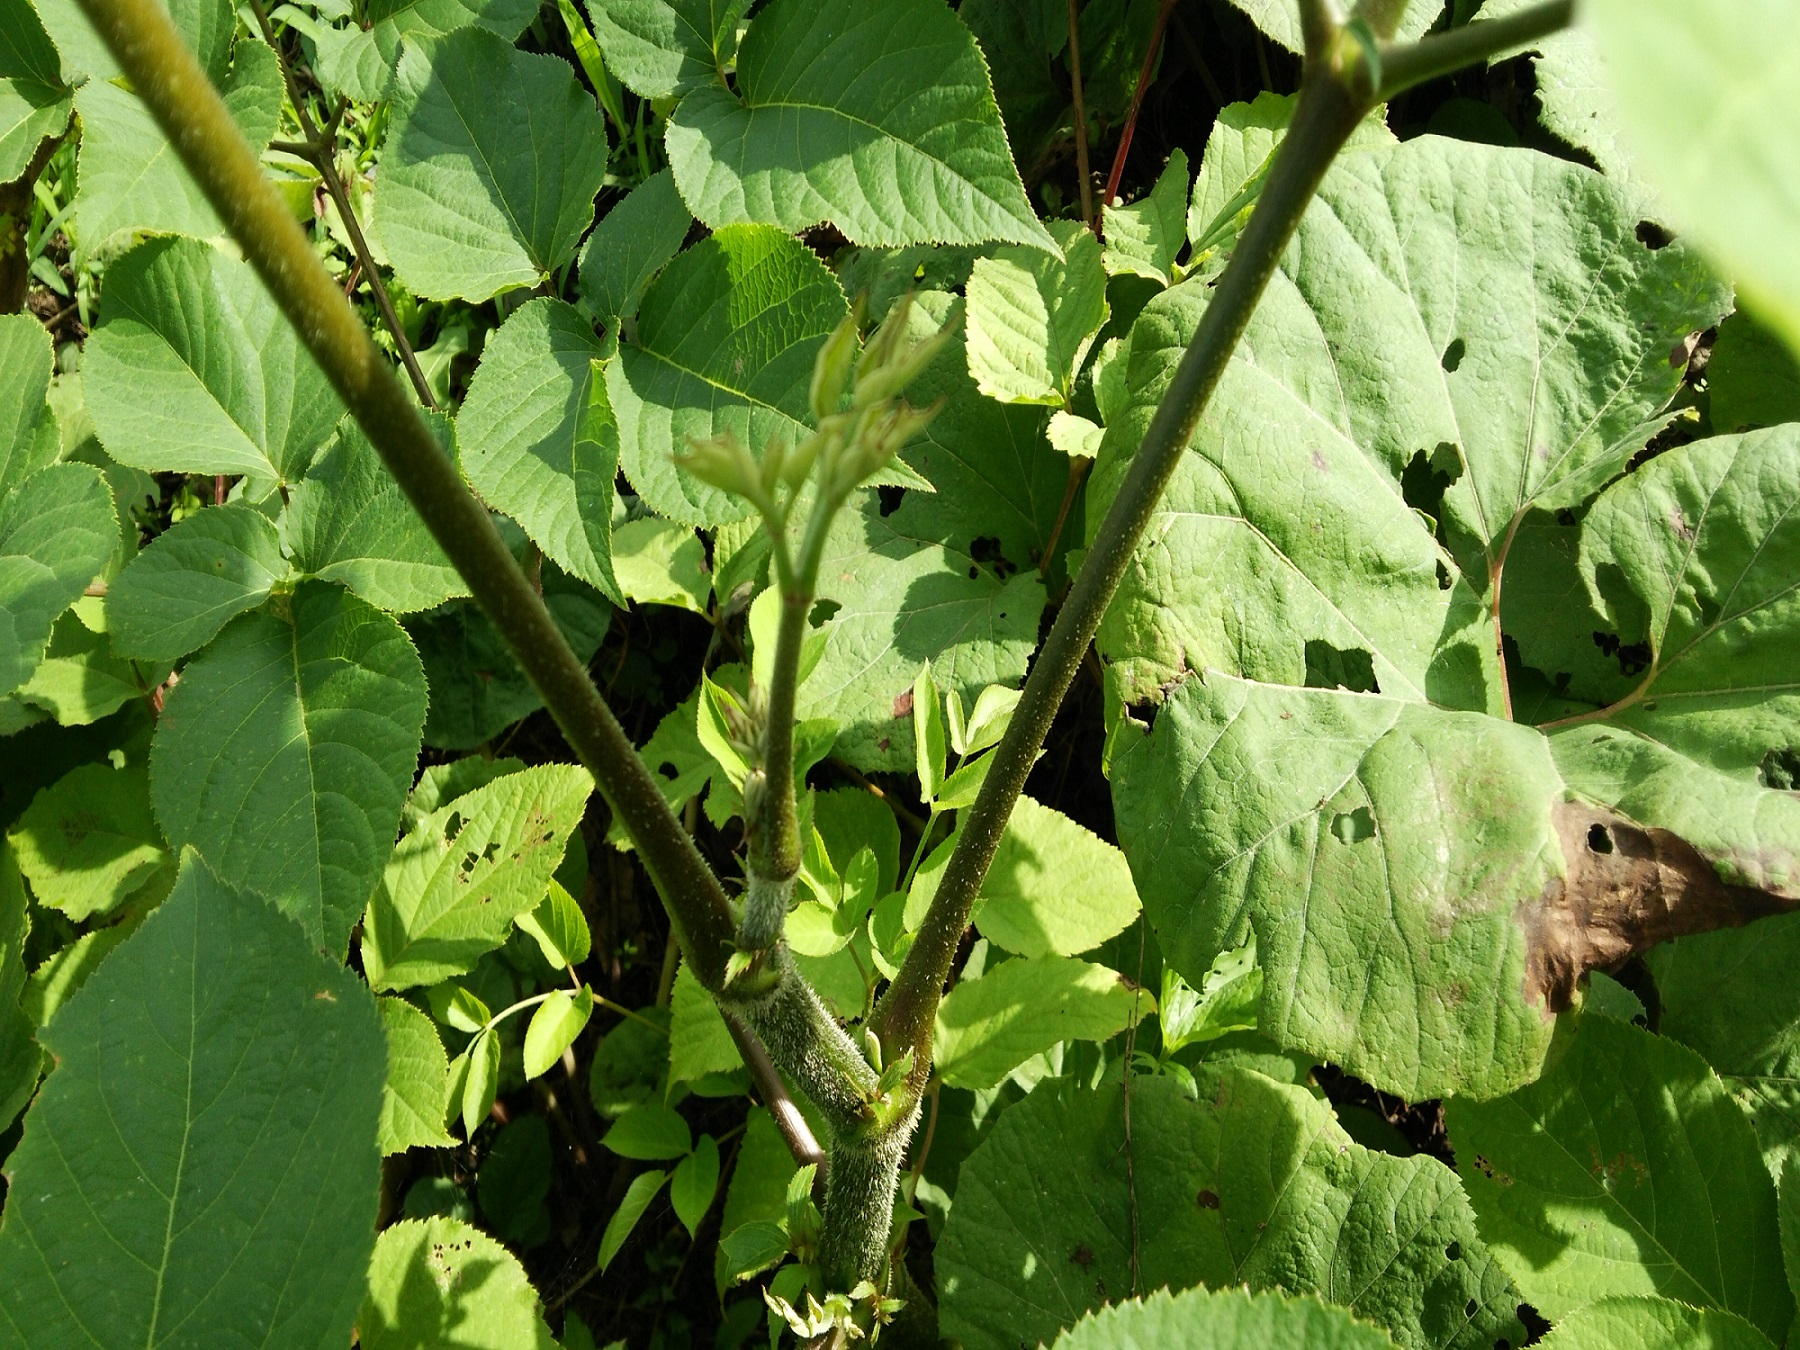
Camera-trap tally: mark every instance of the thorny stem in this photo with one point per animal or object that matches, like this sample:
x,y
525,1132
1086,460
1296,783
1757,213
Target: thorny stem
x,y
321,149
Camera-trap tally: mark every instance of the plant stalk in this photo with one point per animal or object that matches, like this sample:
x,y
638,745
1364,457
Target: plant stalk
x,y
171,83
1408,64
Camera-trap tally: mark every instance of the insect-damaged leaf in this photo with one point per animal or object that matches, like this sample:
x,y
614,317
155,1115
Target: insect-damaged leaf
x,y
440,1281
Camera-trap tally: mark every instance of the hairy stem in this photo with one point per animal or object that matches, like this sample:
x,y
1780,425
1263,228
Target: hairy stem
x,y
170,81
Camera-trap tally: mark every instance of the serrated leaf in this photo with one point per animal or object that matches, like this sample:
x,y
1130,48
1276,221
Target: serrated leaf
x,y
416,1096
649,1133
456,882
904,598
81,680
474,1079
539,440
441,1281
699,1041
638,1195
928,733
34,104
461,211
25,365
348,521
986,1028
57,531
286,750
1145,238
130,178
900,95
1625,1169
1021,40
1032,316
20,1058
1716,169
694,1183
61,976
559,928
1388,857
359,62
458,1007
632,243
726,339
1279,20
1652,1324
195,370
193,579
1249,1183
88,841
206,1166
1054,888
753,1247
659,48
558,1020
661,563
1235,1319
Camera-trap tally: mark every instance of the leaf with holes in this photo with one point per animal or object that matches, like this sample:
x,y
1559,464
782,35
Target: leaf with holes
x,y
440,1281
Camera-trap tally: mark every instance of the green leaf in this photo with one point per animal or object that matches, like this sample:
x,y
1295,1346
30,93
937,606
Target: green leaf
x,y
629,1062
1753,379
457,1007
459,877
1032,317
928,733
1225,1002
195,370
1625,1169
1702,100
34,104
726,339
904,598
27,440
88,842
193,579
633,241
20,1058
659,48
880,120
558,1020
650,1134
439,1282
694,1183
1021,40
57,531
558,927
661,563
986,1028
461,210
359,62
1232,169
417,1093
58,979
1645,1323
80,680
539,440
1728,996
1145,238
474,1077
1053,888
205,1167
514,1181
753,1248
349,522
1249,1182
637,1199
131,181
1235,1319
1279,20
1387,856
699,1041
285,752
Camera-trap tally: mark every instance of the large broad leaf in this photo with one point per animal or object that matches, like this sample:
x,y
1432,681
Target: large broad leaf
x,y
1522,364
34,103
1643,1323
441,1282
1202,1319
1626,1169
1054,888
903,599
877,118
462,209
359,62
131,179
57,530
88,841
201,1165
195,369
630,245
348,521
417,1093
986,1028
539,440
1033,315
463,873
1730,996
20,1058
1252,1183
1705,99
29,439
284,753
725,344
193,579
663,47
1143,239
1388,857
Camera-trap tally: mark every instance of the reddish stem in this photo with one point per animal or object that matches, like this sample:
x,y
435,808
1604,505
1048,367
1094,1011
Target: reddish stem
x,y
1137,102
